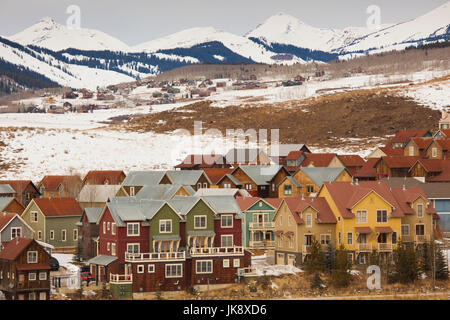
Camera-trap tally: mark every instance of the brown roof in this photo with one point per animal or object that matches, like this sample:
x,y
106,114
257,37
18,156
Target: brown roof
x,y
432,165
318,159
13,248
432,190
389,151
400,162
215,174
446,132
386,229
58,207
51,183
404,135
363,229
18,185
444,176
294,155
5,218
444,143
368,170
201,160
99,177
351,160
423,143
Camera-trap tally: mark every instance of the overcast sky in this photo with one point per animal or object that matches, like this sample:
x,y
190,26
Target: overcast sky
x,y
137,21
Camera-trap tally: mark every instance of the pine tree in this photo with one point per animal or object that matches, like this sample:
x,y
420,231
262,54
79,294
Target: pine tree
x,y
316,282
329,259
340,276
406,264
314,262
441,272
374,258
426,257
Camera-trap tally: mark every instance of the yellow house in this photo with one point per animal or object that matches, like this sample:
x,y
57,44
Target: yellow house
x,y
369,217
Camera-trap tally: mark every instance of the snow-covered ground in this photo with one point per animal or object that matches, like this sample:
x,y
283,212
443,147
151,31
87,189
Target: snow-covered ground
x,y
435,96
262,267
65,260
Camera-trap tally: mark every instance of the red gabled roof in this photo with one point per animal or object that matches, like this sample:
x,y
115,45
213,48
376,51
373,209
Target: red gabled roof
x,y
444,176
5,218
99,177
432,165
215,174
389,151
446,132
246,202
51,183
14,248
423,143
368,170
324,212
406,196
400,162
318,159
294,155
58,207
444,143
351,160
404,135
18,185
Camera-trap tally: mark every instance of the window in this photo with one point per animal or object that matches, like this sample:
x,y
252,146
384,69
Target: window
x,y
280,242
419,210
132,191
381,215
113,249
109,225
273,187
203,266
16,232
205,185
405,229
291,242
133,229
325,238
227,185
236,263
64,235
394,237
361,216
339,238
34,216
226,240
200,222
140,268
32,257
32,276
248,186
75,234
104,227
226,221
52,234
226,263
308,220
165,226
287,190
151,268
434,152
42,296
42,275
350,257
310,188
108,246
411,151
39,235
32,296
174,270
350,238
113,228
133,247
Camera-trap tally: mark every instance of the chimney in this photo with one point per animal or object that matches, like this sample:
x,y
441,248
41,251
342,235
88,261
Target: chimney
x,y
17,240
404,187
357,182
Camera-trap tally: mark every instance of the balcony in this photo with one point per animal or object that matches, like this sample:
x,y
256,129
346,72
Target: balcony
x,y
261,225
364,247
262,244
155,256
216,251
422,238
384,247
247,272
120,278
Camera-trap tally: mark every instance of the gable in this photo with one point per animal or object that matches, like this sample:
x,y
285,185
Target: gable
x,y
371,199
260,205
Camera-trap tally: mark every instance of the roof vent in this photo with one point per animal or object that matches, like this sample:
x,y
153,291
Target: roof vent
x,y
404,188
357,182
303,196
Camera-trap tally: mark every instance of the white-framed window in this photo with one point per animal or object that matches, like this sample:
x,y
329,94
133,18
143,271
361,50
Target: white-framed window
x,y
236,263
52,234
140,268
165,226
200,222
411,151
133,247
42,295
227,185
16,232
226,263
420,210
33,216
434,152
113,249
75,234
32,257
63,235
151,268
361,216
309,220
199,185
113,228
226,221
32,276
132,192
350,238
108,246
325,238
382,216
205,185
273,187
226,240
39,235
133,229
203,266
287,190
310,188
108,225
405,229
174,270
248,186
42,275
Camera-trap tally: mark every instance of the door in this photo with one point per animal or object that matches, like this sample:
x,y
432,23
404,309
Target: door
x,y
291,259
308,239
420,229
382,238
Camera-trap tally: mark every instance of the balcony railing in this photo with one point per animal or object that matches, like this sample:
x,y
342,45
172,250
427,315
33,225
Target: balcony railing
x,y
261,225
224,251
247,272
384,247
364,247
422,238
154,256
262,244
120,278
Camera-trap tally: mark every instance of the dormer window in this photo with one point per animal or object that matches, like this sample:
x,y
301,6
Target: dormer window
x,y
419,210
309,220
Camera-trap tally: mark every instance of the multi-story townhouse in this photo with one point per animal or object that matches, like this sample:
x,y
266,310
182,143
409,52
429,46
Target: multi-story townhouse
x,y
299,221
25,190
60,186
13,226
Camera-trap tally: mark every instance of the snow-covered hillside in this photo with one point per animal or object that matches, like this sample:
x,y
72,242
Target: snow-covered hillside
x,y
54,36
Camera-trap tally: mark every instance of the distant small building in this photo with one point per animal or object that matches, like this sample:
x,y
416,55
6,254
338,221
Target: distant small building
x,y
444,122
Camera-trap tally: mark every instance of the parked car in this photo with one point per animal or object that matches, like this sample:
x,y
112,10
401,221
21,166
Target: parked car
x,y
87,276
54,264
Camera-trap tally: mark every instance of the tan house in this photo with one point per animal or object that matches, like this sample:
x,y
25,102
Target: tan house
x,y
444,122
438,149
298,221
60,186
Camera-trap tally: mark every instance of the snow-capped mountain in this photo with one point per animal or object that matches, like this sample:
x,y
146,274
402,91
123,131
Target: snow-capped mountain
x,y
430,27
196,36
54,36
